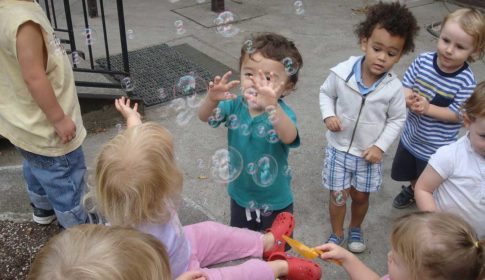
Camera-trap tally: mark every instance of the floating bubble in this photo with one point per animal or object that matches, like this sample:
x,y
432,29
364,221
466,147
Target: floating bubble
x,y
184,117
299,9
224,24
217,114
252,205
232,122
287,171
244,129
248,46
200,163
291,68
179,27
251,168
127,84
271,111
193,87
212,121
162,95
89,35
261,130
177,105
226,165
267,170
119,127
266,210
250,95
75,58
130,34
339,197
272,136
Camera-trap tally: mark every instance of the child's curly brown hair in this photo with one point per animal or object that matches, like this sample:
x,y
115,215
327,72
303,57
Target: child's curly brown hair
x,y
394,18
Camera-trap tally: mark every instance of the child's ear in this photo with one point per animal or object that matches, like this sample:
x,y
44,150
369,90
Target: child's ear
x,y
466,120
363,44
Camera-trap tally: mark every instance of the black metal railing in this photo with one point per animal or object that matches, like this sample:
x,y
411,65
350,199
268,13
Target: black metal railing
x,y
68,29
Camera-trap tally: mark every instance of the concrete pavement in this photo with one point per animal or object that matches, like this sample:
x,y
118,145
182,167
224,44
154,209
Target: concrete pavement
x,y
324,36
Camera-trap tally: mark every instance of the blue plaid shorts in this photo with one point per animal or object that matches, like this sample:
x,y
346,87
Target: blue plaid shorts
x,y
342,170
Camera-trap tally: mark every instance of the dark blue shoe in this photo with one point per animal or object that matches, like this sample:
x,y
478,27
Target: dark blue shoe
x,y
404,199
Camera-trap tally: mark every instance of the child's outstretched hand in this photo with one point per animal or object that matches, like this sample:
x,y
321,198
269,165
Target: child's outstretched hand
x,y
373,154
192,275
421,105
411,98
267,89
131,115
219,88
333,124
334,252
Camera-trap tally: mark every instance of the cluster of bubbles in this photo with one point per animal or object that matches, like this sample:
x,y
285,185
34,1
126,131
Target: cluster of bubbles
x,y
89,35
179,27
225,24
299,9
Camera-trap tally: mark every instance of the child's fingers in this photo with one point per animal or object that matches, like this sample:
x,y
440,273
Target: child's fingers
x,y
232,84
135,108
217,79
226,76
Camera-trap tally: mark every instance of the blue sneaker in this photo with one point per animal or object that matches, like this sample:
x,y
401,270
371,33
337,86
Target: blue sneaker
x,y
356,241
335,239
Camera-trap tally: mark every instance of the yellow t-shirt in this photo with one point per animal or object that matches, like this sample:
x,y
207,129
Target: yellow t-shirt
x,y
21,119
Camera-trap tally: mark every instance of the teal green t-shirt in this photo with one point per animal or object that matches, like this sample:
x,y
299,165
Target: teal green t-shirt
x,y
265,178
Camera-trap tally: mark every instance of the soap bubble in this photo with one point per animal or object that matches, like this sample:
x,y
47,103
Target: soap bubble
x,y
119,127
248,46
184,117
272,136
224,24
218,114
226,165
271,111
261,130
266,210
130,34
244,129
127,84
299,9
267,170
287,171
162,94
179,27
251,168
291,68
339,197
89,35
232,122
75,58
200,163
192,86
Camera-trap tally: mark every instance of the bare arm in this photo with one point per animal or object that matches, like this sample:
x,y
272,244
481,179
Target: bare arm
x,y
427,183
356,269
423,107
32,58
131,115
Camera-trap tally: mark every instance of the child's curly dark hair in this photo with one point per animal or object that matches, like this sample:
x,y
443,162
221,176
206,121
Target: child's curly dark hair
x,y
393,17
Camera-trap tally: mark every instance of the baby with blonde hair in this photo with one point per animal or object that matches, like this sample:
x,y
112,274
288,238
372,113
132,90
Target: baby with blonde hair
x,y
99,252
138,184
425,245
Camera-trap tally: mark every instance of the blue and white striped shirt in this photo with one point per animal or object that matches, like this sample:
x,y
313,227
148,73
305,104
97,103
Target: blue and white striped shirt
x,y
423,135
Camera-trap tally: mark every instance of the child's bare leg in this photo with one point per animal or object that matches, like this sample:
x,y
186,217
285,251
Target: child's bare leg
x,y
268,241
337,216
359,206
413,184
279,267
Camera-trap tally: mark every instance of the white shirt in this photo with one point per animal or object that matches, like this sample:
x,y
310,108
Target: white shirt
x,y
463,189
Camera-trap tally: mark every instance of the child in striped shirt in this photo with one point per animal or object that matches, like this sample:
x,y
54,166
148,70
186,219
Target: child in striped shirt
x,y
436,85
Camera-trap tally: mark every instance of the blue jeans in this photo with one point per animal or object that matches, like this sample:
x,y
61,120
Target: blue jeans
x,y
57,183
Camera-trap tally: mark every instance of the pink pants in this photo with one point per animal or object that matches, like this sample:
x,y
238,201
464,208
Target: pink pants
x,y
212,243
